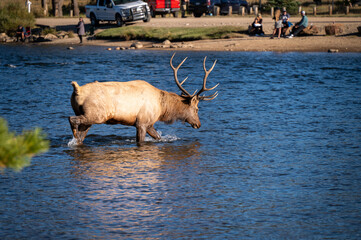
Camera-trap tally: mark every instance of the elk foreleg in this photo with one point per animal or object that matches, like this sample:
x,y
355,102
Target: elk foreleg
x,y
83,130
141,131
153,133
80,127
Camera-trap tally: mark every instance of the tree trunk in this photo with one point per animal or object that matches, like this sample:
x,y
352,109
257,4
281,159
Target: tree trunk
x,y
76,7
61,3
55,7
44,4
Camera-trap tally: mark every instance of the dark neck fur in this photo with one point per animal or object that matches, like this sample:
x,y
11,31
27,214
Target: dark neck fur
x,y
174,107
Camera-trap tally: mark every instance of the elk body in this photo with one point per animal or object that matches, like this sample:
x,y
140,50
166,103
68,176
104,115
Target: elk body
x,y
135,103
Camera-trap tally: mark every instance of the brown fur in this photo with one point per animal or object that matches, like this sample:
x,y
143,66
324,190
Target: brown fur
x,y
134,103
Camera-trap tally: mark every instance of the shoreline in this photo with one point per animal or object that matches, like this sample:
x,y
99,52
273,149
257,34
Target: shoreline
x,y
348,41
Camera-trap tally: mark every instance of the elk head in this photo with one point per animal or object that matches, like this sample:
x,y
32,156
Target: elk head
x,y
192,100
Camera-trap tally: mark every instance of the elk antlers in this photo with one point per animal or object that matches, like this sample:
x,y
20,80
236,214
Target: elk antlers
x,y
207,72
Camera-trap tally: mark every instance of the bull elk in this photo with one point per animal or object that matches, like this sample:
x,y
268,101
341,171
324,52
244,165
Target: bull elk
x,y
135,103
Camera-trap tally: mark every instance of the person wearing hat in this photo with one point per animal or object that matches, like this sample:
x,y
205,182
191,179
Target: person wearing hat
x,y
286,24
300,25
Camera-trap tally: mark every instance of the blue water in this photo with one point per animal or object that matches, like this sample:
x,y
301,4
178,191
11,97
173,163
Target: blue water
x,y
278,155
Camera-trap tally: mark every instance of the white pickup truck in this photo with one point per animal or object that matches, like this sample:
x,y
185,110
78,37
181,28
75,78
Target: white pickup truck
x,y
120,11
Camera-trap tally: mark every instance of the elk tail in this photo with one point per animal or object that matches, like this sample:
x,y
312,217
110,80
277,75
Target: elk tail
x,y
76,87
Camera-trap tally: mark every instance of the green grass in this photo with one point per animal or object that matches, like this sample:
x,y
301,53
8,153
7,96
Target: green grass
x,y
176,34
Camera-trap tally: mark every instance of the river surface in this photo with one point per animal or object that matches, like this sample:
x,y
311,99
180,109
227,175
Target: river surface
x,y
278,155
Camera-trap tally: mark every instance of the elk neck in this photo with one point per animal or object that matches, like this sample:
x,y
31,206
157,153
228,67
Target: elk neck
x,y
174,107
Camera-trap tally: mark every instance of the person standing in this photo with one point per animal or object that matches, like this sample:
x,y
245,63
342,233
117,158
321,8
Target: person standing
x,y
278,23
80,29
300,25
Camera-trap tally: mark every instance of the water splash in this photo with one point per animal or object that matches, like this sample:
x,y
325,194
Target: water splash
x,y
10,65
73,143
165,138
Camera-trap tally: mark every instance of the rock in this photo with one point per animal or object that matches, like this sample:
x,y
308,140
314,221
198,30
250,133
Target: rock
x,y
167,42
3,37
187,45
109,49
157,45
309,31
334,29
333,50
70,48
117,48
62,34
136,45
50,36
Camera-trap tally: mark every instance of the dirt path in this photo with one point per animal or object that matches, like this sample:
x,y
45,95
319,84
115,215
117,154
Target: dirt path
x,y
348,42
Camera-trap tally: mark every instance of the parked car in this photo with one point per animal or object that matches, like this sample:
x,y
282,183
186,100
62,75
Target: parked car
x,y
235,4
120,11
162,7
198,7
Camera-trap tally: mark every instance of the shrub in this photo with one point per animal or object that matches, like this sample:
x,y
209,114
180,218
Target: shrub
x,y
12,14
290,5
17,151
49,30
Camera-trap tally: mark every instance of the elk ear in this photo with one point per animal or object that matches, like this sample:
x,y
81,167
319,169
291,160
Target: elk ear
x,y
194,100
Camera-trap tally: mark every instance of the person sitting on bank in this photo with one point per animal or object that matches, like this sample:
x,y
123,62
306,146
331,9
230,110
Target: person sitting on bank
x,y
286,24
20,33
256,26
300,25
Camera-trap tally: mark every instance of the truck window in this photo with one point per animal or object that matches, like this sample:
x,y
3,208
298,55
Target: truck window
x,y
118,2
101,3
108,3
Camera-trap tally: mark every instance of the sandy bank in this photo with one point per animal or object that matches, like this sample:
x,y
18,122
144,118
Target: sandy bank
x,y
349,41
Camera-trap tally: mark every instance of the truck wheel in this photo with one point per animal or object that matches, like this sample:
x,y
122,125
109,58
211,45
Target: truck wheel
x,y
93,20
119,20
147,17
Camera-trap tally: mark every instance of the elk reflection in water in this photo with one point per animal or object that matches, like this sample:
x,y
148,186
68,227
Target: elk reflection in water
x,y
112,161
132,184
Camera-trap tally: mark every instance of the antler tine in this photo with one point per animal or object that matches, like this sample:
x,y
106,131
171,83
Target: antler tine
x,y
183,81
207,98
175,70
206,73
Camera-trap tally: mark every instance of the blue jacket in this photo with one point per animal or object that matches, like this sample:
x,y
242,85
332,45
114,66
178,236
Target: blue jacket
x,y
303,22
